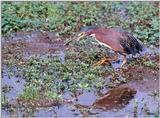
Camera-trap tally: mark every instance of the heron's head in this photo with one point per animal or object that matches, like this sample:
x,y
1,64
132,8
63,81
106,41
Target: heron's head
x,y
86,31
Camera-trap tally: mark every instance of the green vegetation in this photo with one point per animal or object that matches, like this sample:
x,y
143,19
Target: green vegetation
x,y
4,100
48,77
67,17
150,64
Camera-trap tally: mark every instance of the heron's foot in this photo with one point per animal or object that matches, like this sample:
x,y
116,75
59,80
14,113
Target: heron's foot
x,y
103,61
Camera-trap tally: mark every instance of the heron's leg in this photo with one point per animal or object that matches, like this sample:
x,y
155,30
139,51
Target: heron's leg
x,y
115,57
106,60
124,61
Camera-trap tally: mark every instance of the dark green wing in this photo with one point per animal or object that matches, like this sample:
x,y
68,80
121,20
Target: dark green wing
x,y
130,44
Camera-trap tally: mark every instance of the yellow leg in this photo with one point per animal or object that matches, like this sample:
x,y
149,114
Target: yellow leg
x,y
115,57
124,61
106,60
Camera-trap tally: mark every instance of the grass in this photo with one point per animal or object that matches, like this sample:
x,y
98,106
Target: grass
x,y
141,18
54,78
47,74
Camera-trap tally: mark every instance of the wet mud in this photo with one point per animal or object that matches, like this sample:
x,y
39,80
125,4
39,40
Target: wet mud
x,y
138,96
35,43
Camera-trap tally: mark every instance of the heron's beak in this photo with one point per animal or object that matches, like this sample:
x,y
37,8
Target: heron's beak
x,y
81,35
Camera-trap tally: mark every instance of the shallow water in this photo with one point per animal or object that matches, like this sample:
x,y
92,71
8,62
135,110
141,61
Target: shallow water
x,y
143,81
142,100
15,83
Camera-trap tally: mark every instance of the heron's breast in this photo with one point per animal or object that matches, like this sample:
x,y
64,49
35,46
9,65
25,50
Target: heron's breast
x,y
101,43
106,45
111,44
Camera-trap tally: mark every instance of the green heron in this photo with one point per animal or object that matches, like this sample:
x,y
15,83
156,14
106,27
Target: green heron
x,y
117,39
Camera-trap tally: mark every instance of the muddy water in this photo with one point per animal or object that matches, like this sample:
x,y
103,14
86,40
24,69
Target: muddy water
x,y
15,85
34,43
136,98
